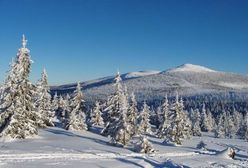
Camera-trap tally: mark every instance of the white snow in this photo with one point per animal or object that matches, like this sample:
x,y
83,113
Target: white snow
x,y
191,68
140,74
238,85
56,147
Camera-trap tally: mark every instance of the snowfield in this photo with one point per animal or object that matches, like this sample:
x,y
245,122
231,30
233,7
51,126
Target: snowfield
x,y
56,147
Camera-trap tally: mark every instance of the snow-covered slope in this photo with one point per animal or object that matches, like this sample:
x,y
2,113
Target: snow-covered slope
x,y
56,147
187,79
139,74
191,68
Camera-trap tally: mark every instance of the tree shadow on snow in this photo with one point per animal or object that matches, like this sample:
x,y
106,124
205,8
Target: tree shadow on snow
x,y
156,164
129,162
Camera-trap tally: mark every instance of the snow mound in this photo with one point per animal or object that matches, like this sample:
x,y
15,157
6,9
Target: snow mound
x,y
191,68
225,153
139,74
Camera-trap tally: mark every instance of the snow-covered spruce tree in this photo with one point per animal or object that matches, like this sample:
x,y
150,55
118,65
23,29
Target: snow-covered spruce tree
x,y
96,115
211,121
144,120
243,130
55,103
187,125
122,133
113,107
144,146
225,127
205,126
229,127
164,118
18,112
178,128
219,131
43,100
77,119
196,118
60,114
117,127
132,115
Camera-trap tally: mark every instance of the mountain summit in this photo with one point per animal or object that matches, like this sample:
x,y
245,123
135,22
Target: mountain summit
x,y
190,68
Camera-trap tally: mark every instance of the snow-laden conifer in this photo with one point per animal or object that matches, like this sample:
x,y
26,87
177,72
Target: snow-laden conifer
x,y
96,115
43,101
205,124
19,118
117,127
144,146
76,117
164,124
179,127
144,120
132,115
196,119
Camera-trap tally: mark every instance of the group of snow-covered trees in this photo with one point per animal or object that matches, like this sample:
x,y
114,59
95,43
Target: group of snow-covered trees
x,y
26,107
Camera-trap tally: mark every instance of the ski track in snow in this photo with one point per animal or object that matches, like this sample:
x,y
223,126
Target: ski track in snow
x,y
75,156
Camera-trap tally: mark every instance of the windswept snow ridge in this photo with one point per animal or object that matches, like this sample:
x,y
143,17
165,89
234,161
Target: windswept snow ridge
x,y
191,68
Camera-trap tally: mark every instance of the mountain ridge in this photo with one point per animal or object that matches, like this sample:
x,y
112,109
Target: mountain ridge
x,y
187,79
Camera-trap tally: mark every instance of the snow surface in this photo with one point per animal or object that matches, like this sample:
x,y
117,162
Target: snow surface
x,y
56,147
234,85
191,68
139,74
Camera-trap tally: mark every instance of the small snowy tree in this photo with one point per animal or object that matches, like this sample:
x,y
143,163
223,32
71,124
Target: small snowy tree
x,y
132,115
204,122
144,120
219,131
179,124
96,116
144,146
43,101
18,112
187,125
164,119
55,103
196,118
122,132
77,119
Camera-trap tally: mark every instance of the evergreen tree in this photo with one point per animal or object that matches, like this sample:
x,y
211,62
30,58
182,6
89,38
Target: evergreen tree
x,y
204,122
219,131
187,125
117,126
114,106
60,108
196,118
43,101
243,129
144,146
132,115
144,120
96,116
164,119
18,112
77,119
179,127
55,103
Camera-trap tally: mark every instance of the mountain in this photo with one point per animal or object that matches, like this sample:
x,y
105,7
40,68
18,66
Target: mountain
x,y
187,79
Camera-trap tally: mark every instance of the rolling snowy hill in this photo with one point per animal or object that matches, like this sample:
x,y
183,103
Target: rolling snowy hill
x,y
187,79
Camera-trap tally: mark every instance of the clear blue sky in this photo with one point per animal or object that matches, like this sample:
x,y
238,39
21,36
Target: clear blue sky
x,y
77,40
